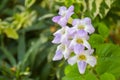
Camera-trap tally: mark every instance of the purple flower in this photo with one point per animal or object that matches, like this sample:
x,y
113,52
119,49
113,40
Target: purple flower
x,y
63,35
64,15
83,24
82,59
79,41
62,51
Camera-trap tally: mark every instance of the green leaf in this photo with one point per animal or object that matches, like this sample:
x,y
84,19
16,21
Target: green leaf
x,y
104,50
73,69
99,7
69,2
103,30
29,3
21,46
77,8
72,73
95,40
72,78
107,76
108,54
90,76
11,33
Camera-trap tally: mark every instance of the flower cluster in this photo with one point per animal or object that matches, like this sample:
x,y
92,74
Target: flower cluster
x,y
73,39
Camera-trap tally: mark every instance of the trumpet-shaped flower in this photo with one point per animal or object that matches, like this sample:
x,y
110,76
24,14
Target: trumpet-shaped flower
x,y
82,59
64,15
62,51
79,41
83,24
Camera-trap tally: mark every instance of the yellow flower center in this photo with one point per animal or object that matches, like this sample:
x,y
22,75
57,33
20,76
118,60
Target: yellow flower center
x,y
79,41
81,27
82,57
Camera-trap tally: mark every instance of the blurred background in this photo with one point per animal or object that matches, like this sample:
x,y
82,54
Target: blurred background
x,y
26,32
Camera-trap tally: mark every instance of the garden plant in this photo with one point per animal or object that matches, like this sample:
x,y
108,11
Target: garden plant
x,y
60,40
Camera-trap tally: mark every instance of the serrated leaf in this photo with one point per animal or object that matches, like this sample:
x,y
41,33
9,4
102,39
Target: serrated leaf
x,y
11,33
107,76
29,3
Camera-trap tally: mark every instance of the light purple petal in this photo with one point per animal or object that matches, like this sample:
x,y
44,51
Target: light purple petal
x,y
63,21
64,39
82,66
57,39
56,19
78,48
72,43
58,55
89,28
66,53
71,31
57,32
86,44
91,61
61,10
87,20
68,15
89,51
82,34
71,8
75,22
70,12
72,60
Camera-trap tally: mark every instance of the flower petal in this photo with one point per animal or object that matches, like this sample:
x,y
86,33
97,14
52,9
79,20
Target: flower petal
x,y
78,48
75,22
72,60
58,55
86,44
89,51
82,66
71,8
91,61
82,34
62,9
90,29
56,19
66,52
57,39
87,20
63,21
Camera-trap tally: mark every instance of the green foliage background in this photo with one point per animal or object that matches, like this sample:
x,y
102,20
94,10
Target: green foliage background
x,y
26,30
